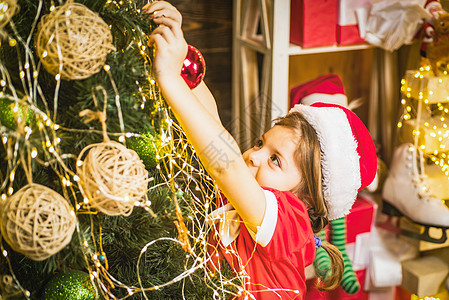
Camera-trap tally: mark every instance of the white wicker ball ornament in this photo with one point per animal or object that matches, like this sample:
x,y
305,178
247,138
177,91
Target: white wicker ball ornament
x,y
73,41
37,221
112,177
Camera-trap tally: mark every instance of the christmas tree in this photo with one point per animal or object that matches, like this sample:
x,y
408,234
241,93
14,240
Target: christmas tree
x,y
101,194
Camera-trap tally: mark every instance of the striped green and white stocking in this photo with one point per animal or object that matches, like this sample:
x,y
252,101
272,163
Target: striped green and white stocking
x,y
322,262
349,283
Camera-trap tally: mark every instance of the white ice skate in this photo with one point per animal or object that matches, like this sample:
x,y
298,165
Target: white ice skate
x,y
405,194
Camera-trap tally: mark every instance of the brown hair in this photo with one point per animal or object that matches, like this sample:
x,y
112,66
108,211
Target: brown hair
x,y
309,190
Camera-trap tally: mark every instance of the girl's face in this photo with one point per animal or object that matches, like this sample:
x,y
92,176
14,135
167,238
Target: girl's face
x,y
271,160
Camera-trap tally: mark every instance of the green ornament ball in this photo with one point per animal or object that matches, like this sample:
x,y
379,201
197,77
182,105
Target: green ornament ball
x,y
146,147
70,285
179,193
8,115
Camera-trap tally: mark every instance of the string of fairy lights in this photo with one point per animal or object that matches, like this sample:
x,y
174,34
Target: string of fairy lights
x,y
425,102
178,166
177,162
424,111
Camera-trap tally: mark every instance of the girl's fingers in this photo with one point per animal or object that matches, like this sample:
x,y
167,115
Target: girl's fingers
x,y
172,25
157,5
157,41
165,32
163,9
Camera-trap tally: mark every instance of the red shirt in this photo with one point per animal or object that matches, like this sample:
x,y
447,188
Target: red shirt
x,y
274,267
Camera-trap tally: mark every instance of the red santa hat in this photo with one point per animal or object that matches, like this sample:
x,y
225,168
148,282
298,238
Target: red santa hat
x,y
327,88
348,154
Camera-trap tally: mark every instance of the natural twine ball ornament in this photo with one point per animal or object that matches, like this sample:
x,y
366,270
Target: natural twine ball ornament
x,y
112,177
73,41
8,8
37,221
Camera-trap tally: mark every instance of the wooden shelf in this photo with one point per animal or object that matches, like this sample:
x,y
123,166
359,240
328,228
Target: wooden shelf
x,y
297,50
257,44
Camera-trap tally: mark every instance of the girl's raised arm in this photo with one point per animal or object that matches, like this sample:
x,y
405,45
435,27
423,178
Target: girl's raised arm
x,y
203,94
201,124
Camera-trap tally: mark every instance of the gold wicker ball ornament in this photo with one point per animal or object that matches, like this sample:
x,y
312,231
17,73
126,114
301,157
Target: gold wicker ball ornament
x,y
73,41
37,221
112,177
8,8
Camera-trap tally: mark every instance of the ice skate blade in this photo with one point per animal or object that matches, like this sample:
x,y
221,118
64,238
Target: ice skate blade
x,y
423,235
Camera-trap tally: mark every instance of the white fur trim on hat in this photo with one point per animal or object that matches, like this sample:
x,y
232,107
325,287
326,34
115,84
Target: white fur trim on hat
x,y
339,158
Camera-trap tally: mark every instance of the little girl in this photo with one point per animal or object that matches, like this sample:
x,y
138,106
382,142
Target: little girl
x,y
304,171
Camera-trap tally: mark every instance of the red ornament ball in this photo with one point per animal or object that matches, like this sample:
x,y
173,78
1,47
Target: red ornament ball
x,y
194,67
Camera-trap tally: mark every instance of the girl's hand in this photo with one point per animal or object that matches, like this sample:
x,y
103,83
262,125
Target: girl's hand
x,y
167,40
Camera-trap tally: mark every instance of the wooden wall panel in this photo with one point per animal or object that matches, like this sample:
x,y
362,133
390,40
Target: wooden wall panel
x,y
354,68
207,25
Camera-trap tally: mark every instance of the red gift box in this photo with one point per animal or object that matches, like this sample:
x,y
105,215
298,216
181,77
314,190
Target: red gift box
x,y
360,218
313,22
359,224
348,32
402,294
348,35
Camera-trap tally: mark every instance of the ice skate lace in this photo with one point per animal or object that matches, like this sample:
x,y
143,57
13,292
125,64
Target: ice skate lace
x,y
419,179
421,188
